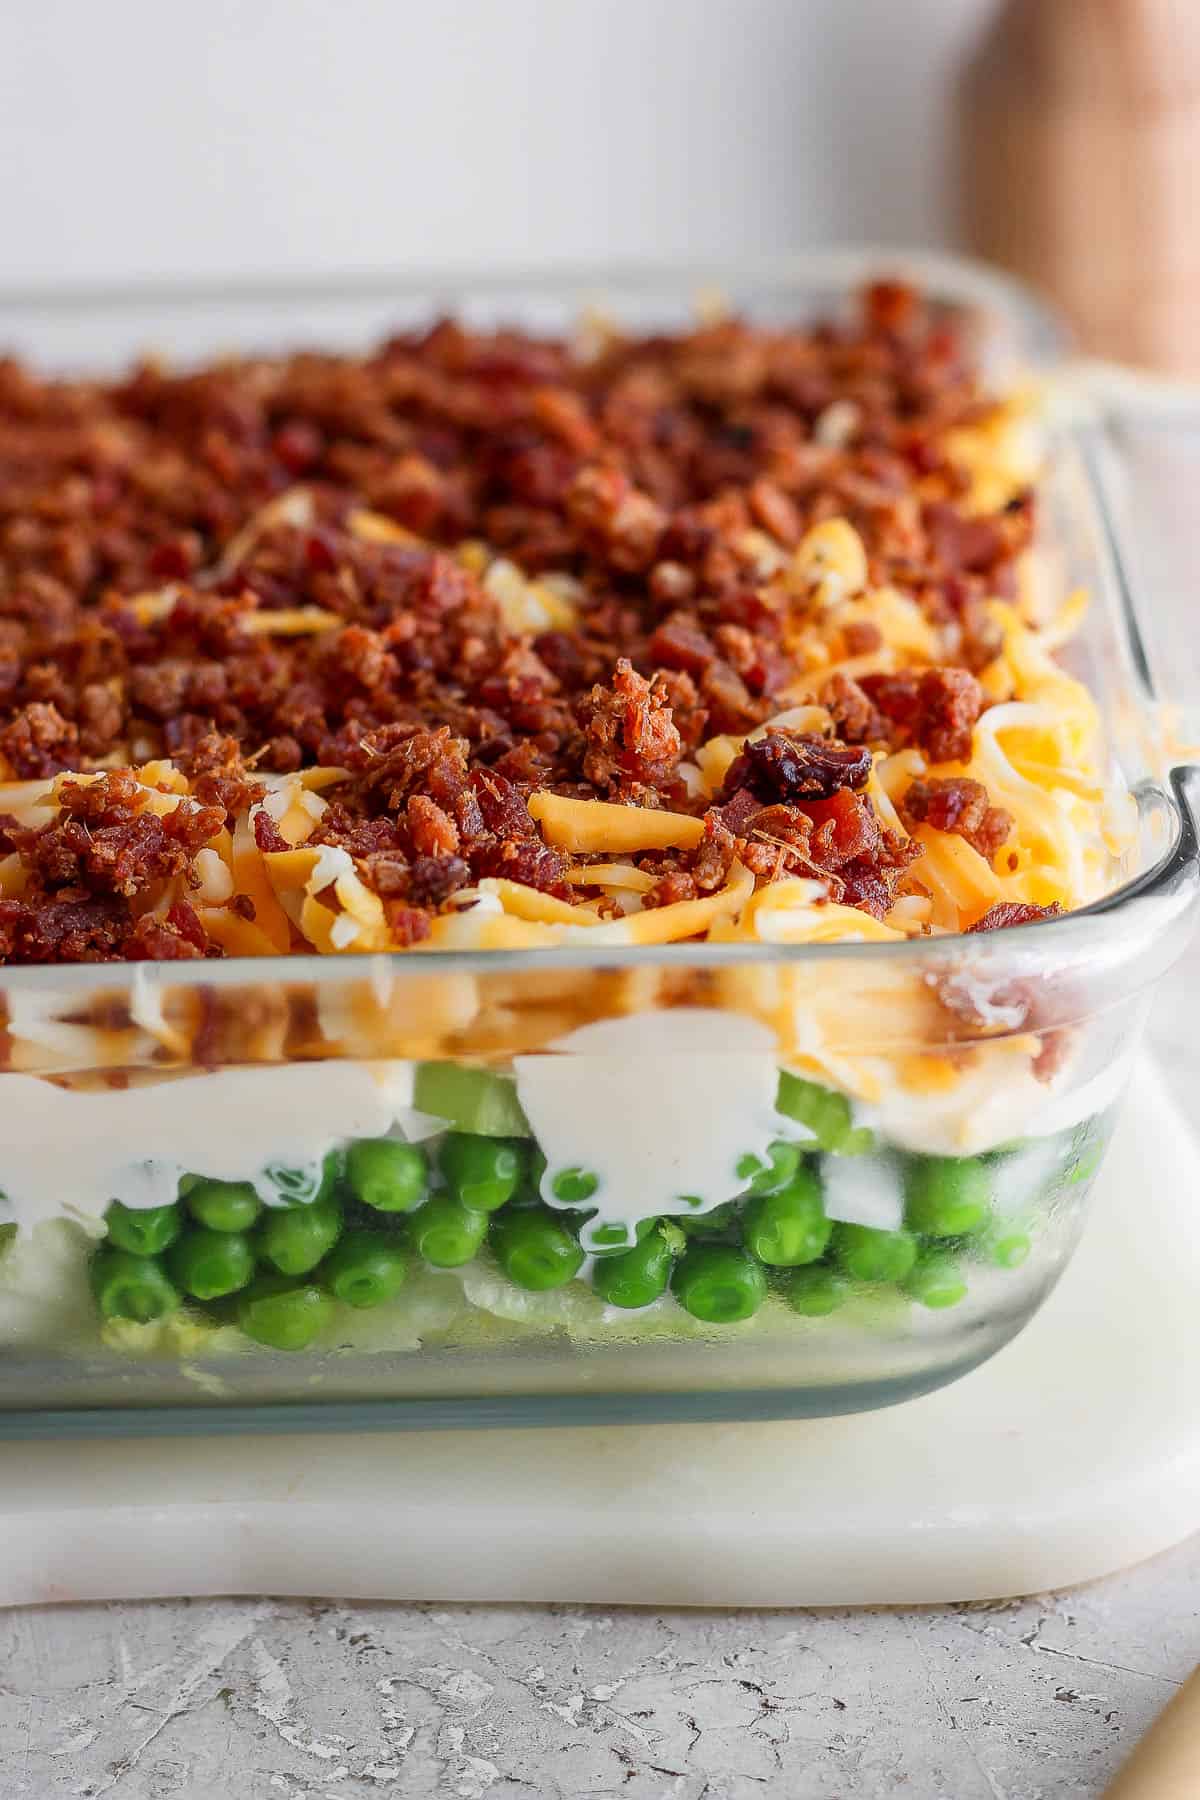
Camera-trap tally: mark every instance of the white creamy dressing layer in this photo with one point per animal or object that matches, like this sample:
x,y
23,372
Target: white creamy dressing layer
x,y
660,1106
72,1151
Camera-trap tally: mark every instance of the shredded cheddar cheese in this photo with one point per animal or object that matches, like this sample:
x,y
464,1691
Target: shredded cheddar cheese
x,y
587,826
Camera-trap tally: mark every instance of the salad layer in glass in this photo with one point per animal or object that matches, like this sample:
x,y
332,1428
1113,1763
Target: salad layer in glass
x,y
700,714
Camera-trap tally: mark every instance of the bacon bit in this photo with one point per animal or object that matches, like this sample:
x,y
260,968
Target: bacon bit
x,y
407,924
321,552
298,445
870,881
736,813
101,843
846,828
1007,913
219,776
526,860
39,742
679,643
433,831
173,560
780,766
184,920
676,885
775,512
936,710
959,805
612,515
715,853
856,719
891,305
432,879
565,417
267,835
64,930
862,638
632,739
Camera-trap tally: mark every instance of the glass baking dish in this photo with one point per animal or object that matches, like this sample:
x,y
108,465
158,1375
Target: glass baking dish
x,y
846,1229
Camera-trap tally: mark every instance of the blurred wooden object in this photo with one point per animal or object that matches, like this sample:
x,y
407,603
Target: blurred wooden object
x,y
1166,1764
1080,134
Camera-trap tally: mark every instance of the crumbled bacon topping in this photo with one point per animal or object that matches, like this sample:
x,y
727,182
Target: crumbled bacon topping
x,y
1014,912
633,744
783,766
935,710
154,530
959,805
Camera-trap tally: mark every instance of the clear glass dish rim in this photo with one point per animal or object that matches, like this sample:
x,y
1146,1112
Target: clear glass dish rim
x,y
835,267
1049,937
838,269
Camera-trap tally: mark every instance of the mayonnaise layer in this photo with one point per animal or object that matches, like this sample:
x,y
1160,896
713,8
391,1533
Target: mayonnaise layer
x,y
71,1151
660,1107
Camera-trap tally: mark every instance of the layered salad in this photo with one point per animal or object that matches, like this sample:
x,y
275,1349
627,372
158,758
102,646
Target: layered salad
x,y
734,636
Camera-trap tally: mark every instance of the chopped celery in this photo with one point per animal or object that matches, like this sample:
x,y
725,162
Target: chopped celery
x,y
475,1100
825,1112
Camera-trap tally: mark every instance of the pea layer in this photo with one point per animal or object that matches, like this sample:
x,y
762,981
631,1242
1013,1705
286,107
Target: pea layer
x,y
382,1206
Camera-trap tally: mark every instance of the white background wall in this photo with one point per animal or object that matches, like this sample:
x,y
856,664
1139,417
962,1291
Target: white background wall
x,y
183,138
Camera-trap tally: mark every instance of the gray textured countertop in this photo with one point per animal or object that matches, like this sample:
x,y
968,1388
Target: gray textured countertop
x,y
295,1700
287,1700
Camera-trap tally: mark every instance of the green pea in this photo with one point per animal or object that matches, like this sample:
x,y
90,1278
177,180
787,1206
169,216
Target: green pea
x,y
209,1264
131,1287
365,1269
615,1238
573,1186
446,1233
536,1250
636,1277
482,1172
224,1205
790,1227
529,1188
936,1280
386,1175
529,1192
713,1223
1088,1144
1087,1166
816,1291
282,1314
946,1196
1005,1245
298,1187
868,1254
294,1239
143,1230
718,1283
